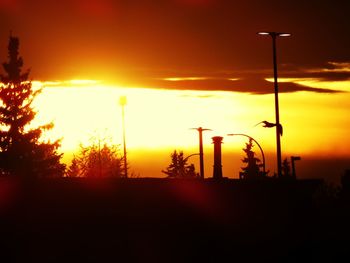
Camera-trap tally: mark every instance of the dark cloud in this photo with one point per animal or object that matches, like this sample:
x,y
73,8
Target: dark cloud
x,y
330,71
110,39
293,87
246,85
320,75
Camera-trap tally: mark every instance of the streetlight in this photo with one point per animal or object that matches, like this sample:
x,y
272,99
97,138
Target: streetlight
x,y
262,152
274,35
122,103
201,159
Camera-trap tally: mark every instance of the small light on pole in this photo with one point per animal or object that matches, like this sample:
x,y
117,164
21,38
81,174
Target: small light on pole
x,y
263,33
274,35
122,103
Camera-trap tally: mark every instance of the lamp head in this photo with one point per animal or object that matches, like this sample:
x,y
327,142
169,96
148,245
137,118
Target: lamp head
x,y
274,34
122,101
296,158
264,33
284,34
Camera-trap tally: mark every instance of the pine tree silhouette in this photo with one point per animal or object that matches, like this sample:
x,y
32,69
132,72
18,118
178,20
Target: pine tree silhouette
x,y
252,170
73,170
21,151
178,168
286,173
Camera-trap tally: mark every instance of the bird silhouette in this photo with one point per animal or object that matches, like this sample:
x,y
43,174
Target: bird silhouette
x,y
267,124
280,129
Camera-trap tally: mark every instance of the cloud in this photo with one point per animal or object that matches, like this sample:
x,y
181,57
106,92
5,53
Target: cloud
x,y
66,83
255,81
253,85
330,71
245,81
333,71
339,66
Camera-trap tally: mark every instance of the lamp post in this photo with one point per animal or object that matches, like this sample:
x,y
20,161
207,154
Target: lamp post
x,y
122,103
261,150
201,157
274,35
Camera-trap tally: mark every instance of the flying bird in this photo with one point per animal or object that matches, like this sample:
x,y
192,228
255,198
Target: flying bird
x,y
267,124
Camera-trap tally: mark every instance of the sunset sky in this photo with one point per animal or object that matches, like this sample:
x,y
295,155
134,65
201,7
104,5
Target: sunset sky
x,y
190,63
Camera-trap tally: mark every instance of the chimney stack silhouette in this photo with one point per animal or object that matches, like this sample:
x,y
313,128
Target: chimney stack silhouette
x,y
217,173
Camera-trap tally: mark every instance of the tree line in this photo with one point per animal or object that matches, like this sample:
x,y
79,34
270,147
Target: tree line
x,y
23,153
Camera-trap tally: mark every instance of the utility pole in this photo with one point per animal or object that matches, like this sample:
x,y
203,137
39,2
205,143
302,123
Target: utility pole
x,y
201,154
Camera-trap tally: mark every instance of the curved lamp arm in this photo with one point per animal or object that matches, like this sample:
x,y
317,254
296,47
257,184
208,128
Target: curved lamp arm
x,y
262,152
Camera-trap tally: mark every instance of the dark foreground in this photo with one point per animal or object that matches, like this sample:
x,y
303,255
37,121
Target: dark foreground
x,y
158,220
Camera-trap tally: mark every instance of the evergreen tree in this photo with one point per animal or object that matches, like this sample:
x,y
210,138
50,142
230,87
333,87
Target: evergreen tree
x,y
73,169
179,168
286,173
22,153
252,170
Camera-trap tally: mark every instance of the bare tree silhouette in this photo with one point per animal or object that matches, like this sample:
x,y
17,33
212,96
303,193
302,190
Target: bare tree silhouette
x,y
98,159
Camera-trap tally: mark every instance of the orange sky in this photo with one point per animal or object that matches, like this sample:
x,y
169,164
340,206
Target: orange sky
x,y
159,121
207,46
137,41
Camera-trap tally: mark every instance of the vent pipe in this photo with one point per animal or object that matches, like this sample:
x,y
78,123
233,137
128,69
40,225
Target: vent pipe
x,y
217,173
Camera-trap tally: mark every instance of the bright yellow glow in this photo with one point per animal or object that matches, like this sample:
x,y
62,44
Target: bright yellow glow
x,y
159,121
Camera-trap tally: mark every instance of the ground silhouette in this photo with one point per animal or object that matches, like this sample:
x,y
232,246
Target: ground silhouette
x,y
171,220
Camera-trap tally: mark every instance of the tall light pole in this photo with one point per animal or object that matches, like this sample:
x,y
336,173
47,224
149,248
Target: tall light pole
x,y
122,103
201,157
261,150
274,36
